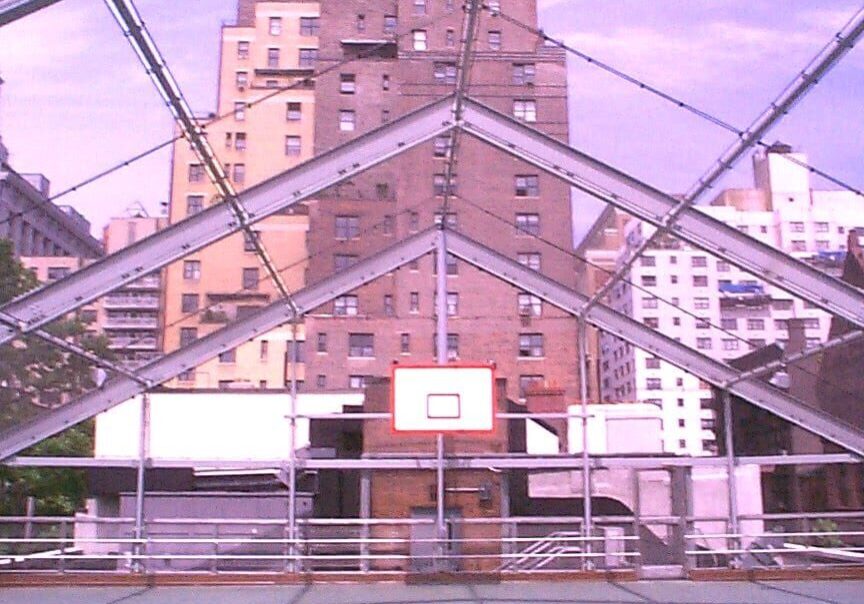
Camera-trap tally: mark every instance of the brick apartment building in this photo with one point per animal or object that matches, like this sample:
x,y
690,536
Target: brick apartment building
x,y
392,319
405,55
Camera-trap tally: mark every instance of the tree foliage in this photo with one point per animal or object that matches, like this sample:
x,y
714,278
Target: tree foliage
x,y
36,377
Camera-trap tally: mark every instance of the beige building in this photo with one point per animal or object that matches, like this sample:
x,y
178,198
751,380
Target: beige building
x,y
263,132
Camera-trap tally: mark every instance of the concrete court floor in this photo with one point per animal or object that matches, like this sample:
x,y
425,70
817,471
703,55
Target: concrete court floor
x,y
643,592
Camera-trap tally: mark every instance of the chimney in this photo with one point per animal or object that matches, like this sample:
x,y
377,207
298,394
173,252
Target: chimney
x,y
541,398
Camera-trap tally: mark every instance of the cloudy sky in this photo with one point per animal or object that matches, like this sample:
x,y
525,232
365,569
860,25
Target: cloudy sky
x,y
75,100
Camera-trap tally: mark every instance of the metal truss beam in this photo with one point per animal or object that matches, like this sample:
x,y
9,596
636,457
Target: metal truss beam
x,y
37,308
122,388
145,48
613,322
12,10
818,67
651,205
510,462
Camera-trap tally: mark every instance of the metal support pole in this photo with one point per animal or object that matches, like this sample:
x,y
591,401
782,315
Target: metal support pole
x,y
365,514
293,565
441,350
586,462
143,449
730,469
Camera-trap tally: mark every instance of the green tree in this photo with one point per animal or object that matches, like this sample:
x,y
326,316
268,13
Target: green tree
x,y
36,377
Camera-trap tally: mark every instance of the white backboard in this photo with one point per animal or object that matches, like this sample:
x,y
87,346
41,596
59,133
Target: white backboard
x,y
446,398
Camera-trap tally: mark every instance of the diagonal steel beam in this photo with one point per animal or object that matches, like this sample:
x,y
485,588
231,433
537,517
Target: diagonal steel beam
x,y
649,204
818,67
121,388
37,308
616,323
145,48
12,10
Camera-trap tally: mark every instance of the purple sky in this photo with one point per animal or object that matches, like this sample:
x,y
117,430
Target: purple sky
x,y
76,100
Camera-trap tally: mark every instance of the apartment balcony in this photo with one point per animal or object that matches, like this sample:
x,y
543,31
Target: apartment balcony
x,y
149,282
131,323
135,302
132,343
742,295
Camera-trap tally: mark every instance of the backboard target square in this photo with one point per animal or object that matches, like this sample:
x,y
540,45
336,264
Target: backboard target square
x,y
443,398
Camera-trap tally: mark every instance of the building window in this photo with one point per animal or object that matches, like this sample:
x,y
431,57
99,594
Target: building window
x,y
702,323
730,344
756,324
390,23
321,342
494,40
529,305
343,261
450,38
347,227
529,259
756,342
271,84
321,381
228,356
273,58
345,306
196,173
347,83
723,267
821,227
653,384
442,145
250,278
531,345
382,190
385,116
796,227
194,204
699,261
649,280
307,58
346,120
649,302
647,261
523,73
293,112
444,73
189,303
419,39
275,26
385,82
361,22
295,348
263,350
799,245
703,343
527,185
652,363
309,26
653,322
414,302
357,382
452,345
528,383
192,270
188,335
239,173
451,262
452,221
822,244
701,303
494,5
405,343
439,185
242,79
361,345
419,7
389,310
528,223
387,224
243,50
700,281
413,222
292,145
729,324
452,304
781,304
812,323
525,110
240,141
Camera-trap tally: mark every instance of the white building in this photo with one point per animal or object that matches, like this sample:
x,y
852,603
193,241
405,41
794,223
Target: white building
x,y
716,308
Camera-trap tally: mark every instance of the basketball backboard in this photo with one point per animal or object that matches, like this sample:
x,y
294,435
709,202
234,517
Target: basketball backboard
x,y
443,398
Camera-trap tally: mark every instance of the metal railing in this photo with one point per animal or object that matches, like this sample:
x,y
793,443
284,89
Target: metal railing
x,y
381,545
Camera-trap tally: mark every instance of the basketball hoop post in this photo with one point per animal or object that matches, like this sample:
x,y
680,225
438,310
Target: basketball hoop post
x,y
441,349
